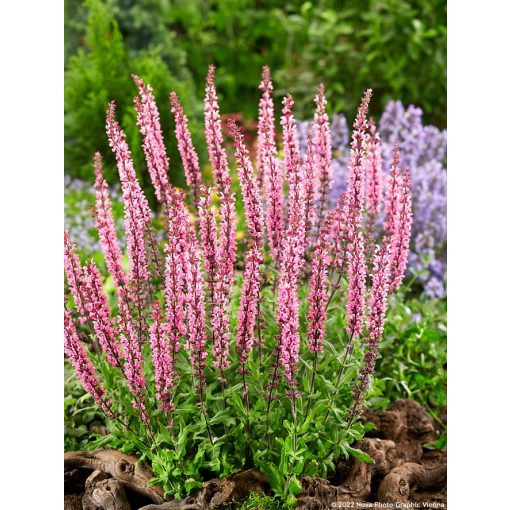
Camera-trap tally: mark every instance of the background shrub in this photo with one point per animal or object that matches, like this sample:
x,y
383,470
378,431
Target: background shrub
x,y
99,71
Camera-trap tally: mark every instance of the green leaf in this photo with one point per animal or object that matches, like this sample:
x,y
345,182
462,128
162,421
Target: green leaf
x,y
358,454
294,486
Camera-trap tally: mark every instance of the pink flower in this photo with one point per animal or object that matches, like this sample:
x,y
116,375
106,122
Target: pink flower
x,y
248,308
318,297
354,199
186,149
392,193
133,366
337,234
136,208
74,274
153,145
270,167
105,225
322,154
163,367
265,125
195,312
83,366
250,294
402,235
357,285
374,174
375,321
176,265
309,185
218,159
227,241
249,187
349,209
98,311
292,249
218,295
217,154
208,239
221,327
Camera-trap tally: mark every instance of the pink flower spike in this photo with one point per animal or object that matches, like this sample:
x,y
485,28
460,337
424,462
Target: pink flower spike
x,y
74,274
401,237
354,198
83,366
209,241
322,154
214,137
219,281
375,321
98,311
176,265
163,368
136,208
309,185
195,313
153,145
318,297
357,286
227,240
374,176
249,187
392,191
250,293
292,251
133,366
269,166
265,125
219,163
186,149
105,225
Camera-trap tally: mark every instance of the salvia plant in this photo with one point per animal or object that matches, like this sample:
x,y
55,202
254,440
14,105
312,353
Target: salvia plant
x,y
423,150
205,362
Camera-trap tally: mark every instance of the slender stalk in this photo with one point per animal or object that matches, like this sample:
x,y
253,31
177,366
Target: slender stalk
x,y
271,388
312,384
348,351
204,414
246,399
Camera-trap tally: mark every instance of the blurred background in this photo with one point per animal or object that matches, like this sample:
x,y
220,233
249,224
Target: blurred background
x,y
396,47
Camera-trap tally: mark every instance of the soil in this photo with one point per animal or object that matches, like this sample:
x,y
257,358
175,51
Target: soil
x,y
404,473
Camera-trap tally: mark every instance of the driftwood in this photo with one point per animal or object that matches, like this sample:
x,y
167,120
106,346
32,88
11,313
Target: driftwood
x,y
124,468
104,493
401,471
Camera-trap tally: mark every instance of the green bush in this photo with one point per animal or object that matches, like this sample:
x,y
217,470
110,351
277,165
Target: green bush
x,y
413,354
100,71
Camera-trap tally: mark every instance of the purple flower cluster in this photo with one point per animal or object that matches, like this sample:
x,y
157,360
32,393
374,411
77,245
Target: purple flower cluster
x,y
78,197
423,150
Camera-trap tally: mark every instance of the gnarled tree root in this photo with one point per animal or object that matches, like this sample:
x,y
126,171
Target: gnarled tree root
x,y
401,470
134,475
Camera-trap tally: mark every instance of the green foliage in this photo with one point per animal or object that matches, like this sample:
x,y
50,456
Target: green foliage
x,y
99,72
396,47
80,412
413,354
258,502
